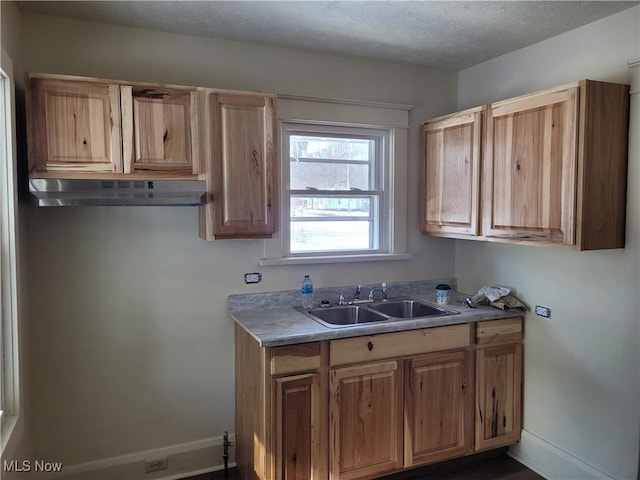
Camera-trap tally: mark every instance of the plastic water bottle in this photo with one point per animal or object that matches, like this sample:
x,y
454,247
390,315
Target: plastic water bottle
x,y
307,292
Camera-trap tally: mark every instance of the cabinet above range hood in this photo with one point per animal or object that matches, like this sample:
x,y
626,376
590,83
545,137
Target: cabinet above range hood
x,y
78,193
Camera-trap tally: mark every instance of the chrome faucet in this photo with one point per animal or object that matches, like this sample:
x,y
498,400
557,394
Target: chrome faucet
x,y
384,290
356,295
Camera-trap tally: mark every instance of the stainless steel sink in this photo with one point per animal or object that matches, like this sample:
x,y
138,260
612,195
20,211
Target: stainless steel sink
x,y
377,312
409,308
345,315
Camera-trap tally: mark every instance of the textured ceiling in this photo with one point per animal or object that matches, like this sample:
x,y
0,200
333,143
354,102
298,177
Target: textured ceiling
x,y
444,34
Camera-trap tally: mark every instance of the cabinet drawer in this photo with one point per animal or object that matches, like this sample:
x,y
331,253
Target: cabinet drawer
x,y
398,344
508,330
294,358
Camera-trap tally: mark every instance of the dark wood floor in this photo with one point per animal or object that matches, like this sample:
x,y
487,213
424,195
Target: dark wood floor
x,y
484,467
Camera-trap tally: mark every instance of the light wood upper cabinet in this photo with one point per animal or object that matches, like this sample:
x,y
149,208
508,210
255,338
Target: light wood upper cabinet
x,y
553,169
438,406
530,167
366,420
160,129
73,126
242,175
92,128
450,174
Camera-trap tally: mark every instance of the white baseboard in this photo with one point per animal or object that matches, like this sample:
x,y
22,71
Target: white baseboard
x,y
552,462
184,460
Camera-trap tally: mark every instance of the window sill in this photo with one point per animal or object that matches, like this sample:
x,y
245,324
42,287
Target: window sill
x,y
373,257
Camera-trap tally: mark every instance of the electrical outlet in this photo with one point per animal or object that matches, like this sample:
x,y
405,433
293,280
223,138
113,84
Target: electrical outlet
x,y
543,311
155,465
252,277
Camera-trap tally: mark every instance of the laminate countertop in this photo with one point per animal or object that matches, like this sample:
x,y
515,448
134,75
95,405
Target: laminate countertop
x,y
276,326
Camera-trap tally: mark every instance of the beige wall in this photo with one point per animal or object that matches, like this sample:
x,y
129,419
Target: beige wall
x,y
10,36
581,366
133,347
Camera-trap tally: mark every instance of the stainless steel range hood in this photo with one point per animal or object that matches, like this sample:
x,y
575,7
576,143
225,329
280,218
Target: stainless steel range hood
x,y
78,193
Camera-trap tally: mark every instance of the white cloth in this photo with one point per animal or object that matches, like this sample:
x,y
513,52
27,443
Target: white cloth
x,y
491,293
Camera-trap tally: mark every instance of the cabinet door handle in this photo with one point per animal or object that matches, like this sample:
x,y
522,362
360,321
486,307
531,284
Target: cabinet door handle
x,y
370,346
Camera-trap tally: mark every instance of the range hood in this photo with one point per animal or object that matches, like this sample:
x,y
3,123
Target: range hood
x,y
78,193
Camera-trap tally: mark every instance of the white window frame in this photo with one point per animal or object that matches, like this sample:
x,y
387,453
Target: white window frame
x,y
379,228
9,354
326,114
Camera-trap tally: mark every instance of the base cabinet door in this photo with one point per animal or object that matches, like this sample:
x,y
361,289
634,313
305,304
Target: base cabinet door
x,y
297,422
437,408
499,393
365,438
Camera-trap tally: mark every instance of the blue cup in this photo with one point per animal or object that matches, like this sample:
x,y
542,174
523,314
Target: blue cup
x,y
443,293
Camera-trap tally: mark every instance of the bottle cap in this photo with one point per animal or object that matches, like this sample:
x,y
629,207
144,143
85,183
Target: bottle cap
x,y
443,286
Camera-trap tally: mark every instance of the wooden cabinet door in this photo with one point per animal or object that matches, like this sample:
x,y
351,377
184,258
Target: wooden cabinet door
x,y
437,408
451,174
366,420
297,425
74,127
160,130
529,172
242,175
498,395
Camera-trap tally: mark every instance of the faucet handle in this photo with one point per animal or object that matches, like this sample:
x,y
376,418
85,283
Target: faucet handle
x,y
356,296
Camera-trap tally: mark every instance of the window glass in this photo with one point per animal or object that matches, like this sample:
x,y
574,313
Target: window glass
x,y
335,189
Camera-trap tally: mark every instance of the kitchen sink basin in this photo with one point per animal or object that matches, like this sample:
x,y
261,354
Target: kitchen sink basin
x,y
408,308
345,315
377,312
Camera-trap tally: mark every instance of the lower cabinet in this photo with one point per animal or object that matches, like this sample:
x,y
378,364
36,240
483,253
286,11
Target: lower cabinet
x,y
364,407
499,378
437,408
498,415
366,420
296,415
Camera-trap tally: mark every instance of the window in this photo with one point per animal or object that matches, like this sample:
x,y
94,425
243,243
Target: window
x,y
343,182
9,391
336,189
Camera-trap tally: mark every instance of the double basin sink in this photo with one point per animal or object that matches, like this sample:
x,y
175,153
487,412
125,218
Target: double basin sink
x,y
377,312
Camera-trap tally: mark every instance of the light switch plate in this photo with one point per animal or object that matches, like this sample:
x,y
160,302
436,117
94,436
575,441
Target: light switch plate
x,y
252,277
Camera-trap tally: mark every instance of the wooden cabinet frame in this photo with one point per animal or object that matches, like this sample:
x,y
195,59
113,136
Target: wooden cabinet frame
x,y
299,407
